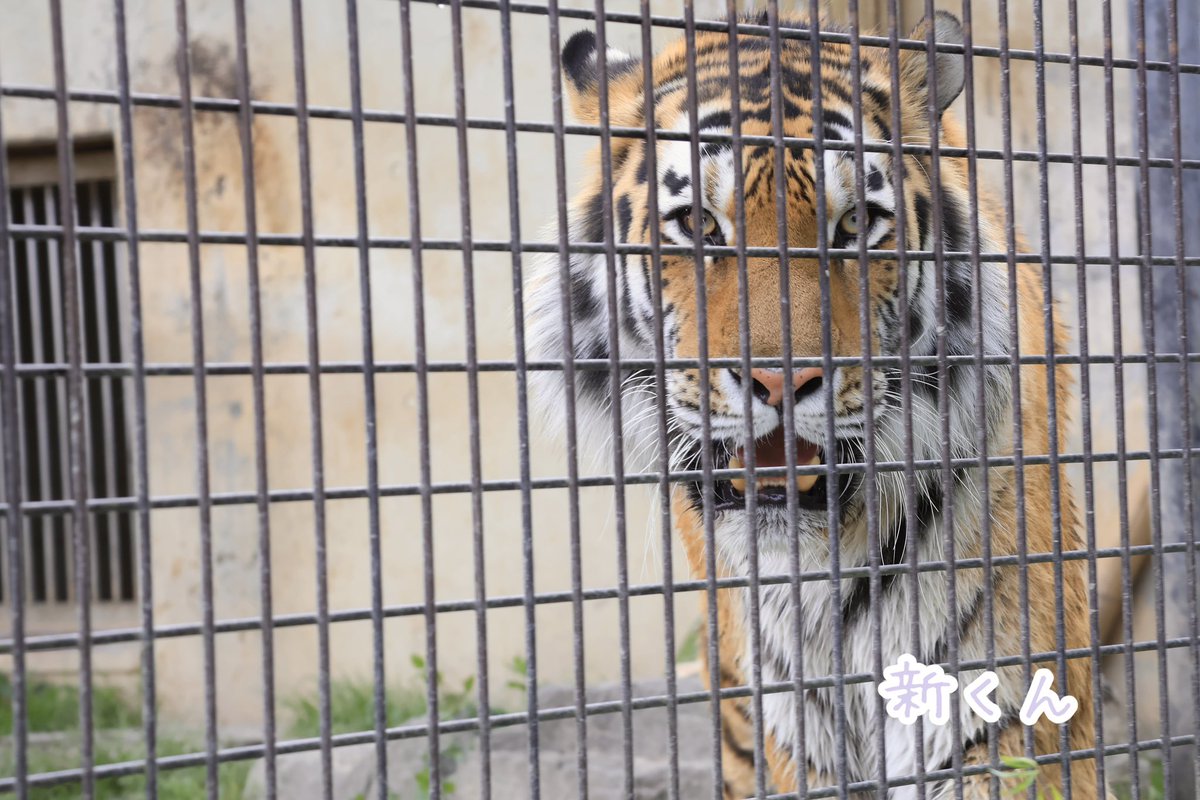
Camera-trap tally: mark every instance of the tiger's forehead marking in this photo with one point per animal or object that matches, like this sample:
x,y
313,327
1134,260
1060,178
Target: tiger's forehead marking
x,y
675,189
758,100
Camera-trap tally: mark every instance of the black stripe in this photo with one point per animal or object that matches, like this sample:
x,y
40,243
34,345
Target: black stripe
x,y
585,304
717,119
593,381
921,206
832,117
592,223
958,294
743,753
885,130
892,553
916,325
882,98
675,182
624,218
875,179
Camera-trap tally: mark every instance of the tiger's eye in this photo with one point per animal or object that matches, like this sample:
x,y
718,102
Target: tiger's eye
x,y
849,222
708,223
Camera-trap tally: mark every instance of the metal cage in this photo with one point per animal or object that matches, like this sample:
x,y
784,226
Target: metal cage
x,y
235,258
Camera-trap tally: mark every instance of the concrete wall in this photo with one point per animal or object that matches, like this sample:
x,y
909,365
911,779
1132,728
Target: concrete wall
x,y
25,58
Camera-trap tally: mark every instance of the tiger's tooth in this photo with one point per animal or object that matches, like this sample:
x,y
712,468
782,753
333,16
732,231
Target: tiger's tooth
x,y
806,482
816,459
739,484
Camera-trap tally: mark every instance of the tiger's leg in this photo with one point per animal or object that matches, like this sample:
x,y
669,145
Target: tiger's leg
x,y
783,777
737,726
1046,740
737,748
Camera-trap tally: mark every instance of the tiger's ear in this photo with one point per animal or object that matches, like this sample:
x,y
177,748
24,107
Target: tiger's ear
x,y
914,68
583,82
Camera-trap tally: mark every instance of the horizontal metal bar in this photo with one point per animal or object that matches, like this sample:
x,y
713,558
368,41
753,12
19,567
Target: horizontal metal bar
x,y
61,641
1086,754
254,751
805,34
596,248
231,105
236,368
42,507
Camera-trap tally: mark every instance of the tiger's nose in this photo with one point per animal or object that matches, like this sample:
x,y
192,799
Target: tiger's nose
x,y
769,384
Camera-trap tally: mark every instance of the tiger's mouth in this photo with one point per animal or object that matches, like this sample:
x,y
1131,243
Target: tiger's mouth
x,y
771,489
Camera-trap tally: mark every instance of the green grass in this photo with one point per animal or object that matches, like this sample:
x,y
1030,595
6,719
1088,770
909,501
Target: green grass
x,y
54,708
352,708
689,648
352,702
175,784
1152,785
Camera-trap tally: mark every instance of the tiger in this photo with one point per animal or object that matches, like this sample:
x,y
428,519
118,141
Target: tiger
x,y
981,304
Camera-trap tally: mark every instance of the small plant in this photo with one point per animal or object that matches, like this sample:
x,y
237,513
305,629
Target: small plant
x,y
520,671
452,704
423,781
1151,787
1020,774
689,648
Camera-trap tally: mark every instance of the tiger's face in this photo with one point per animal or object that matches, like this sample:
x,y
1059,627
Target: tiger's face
x,y
687,194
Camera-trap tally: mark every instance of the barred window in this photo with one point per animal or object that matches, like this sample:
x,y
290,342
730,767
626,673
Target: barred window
x,y
37,283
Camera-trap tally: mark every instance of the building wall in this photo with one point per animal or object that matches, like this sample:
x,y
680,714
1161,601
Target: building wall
x,y
25,59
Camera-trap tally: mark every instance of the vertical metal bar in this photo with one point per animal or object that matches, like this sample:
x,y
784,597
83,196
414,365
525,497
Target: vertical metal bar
x,y
123,455
13,480
98,533
141,444
870,487
105,461
261,485
200,388
1010,247
426,477
58,568
943,400
477,531
705,379
40,532
1137,12
615,390
75,400
745,351
1173,31
982,432
1183,38
782,233
1085,387
569,397
313,345
833,509
1039,49
660,393
514,223
1119,394
372,444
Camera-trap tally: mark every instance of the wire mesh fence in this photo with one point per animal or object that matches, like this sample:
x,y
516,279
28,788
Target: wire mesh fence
x,y
350,354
